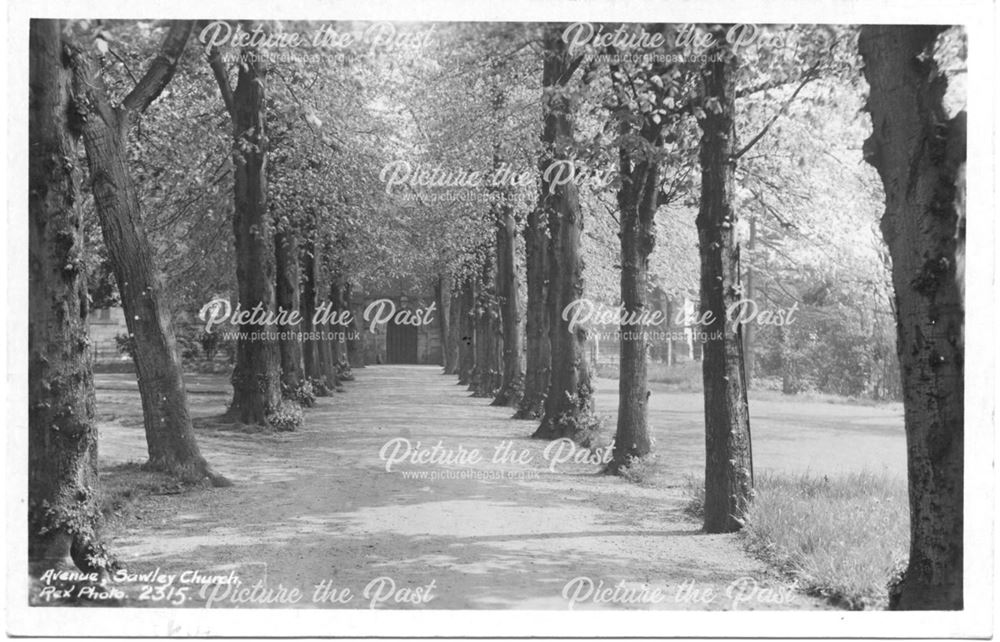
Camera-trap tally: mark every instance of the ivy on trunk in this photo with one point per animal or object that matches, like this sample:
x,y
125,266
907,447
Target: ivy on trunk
x,y
256,377
62,436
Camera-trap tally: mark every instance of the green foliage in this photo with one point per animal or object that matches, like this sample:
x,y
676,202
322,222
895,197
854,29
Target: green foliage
x,y
78,515
287,417
303,394
320,388
843,538
639,470
470,98
842,343
189,346
125,343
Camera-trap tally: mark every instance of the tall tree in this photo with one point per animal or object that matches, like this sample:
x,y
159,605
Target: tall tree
x,y
536,325
486,375
62,436
749,293
509,301
311,362
728,457
507,265
446,308
569,401
640,155
466,331
286,250
256,377
920,153
355,353
338,290
169,434
326,359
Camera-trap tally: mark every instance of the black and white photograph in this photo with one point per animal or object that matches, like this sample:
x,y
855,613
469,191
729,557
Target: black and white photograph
x,y
590,319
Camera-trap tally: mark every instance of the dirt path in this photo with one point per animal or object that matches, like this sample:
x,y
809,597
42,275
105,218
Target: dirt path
x,y
318,505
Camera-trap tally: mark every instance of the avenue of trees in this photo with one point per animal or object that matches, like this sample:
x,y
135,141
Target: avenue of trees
x,y
639,165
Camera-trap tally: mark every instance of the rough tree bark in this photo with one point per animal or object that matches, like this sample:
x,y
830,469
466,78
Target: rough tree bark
x,y
338,290
467,330
749,333
536,324
169,434
569,403
326,365
256,377
449,348
920,154
62,436
355,354
307,300
728,460
508,298
639,169
286,250
506,277
486,376
455,324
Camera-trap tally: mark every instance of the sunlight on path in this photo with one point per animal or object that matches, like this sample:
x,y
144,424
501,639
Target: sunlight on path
x,y
319,505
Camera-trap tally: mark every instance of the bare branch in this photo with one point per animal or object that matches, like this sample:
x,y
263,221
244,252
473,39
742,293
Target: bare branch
x,y
124,64
808,76
221,78
161,70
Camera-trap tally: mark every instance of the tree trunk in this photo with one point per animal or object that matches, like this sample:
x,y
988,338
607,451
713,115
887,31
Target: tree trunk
x,y
512,379
449,348
256,377
286,247
326,364
467,328
478,337
169,433
920,154
668,313
454,320
342,364
355,354
310,346
637,202
728,461
486,374
511,366
455,324
569,404
62,436
785,363
536,327
749,332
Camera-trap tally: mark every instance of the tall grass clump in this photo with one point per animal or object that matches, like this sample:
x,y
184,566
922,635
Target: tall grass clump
x,y
844,537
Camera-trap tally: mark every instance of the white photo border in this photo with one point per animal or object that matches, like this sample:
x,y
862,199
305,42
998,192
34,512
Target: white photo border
x,y
979,18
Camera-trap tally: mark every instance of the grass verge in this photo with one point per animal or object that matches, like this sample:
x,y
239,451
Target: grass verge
x,y
123,485
844,538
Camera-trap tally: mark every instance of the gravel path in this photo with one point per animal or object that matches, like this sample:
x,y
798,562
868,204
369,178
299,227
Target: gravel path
x,y
317,511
